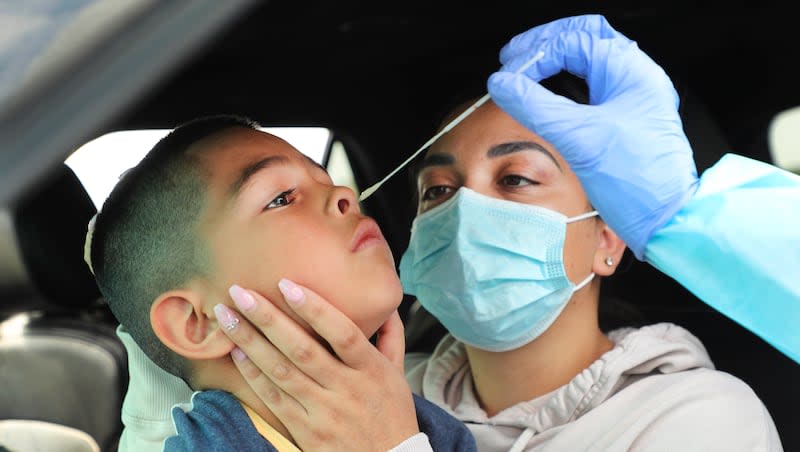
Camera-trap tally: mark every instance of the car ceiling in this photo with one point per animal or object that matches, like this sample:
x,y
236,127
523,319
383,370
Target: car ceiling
x,y
378,73
347,64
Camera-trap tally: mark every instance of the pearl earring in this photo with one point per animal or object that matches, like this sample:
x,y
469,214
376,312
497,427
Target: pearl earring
x,y
609,261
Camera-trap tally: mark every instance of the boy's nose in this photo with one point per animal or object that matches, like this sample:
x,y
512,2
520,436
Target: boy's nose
x,y
342,201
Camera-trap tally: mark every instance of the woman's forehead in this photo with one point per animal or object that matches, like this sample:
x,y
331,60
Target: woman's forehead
x,y
487,128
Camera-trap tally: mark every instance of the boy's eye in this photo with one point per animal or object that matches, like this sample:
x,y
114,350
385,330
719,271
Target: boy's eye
x,y
284,199
514,180
435,192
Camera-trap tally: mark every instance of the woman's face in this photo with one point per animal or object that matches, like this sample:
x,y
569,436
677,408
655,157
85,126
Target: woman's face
x,y
491,153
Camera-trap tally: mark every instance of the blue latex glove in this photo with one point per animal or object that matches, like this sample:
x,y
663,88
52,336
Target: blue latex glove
x,y
628,147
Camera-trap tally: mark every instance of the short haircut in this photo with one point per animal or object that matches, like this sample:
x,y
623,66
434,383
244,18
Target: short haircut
x,y
146,239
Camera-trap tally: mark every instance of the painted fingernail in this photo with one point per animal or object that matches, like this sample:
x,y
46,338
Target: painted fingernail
x,y
291,291
244,300
226,317
238,354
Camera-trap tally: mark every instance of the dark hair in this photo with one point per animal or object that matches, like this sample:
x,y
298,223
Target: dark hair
x,y
145,240
563,83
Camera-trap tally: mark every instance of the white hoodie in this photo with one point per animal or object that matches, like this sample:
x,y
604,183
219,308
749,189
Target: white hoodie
x,y
656,390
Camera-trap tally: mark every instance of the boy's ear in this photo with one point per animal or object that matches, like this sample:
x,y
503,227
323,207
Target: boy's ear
x,y
179,320
609,251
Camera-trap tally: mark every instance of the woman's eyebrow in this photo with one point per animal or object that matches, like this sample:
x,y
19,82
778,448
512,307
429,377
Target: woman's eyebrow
x,y
436,159
517,146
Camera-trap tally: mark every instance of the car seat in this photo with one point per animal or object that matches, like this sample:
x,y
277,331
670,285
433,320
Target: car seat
x,y
33,436
60,359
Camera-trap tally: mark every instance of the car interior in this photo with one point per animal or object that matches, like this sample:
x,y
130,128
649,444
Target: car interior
x,y
379,77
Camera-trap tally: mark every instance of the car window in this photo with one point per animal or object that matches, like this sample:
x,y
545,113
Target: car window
x,y
784,139
339,167
100,162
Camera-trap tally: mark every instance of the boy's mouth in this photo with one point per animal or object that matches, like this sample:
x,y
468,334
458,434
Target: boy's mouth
x,y
367,234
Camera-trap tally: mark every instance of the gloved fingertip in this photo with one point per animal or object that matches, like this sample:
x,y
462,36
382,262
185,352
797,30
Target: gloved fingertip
x,y
530,103
504,87
509,89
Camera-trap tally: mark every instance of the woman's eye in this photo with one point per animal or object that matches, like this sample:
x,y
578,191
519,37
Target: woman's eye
x,y
436,192
514,180
281,200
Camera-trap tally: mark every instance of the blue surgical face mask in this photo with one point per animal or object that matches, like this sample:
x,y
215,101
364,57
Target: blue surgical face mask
x,y
491,270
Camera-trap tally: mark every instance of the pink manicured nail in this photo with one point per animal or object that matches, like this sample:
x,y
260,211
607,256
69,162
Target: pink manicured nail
x,y
226,317
244,300
291,291
238,354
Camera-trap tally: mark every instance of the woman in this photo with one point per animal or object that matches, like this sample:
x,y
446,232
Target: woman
x,y
559,384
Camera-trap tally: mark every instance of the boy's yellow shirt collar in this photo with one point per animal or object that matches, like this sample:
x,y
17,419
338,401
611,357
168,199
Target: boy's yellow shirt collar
x,y
269,433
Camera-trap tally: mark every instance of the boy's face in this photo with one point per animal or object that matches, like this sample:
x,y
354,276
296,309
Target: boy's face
x,y
272,213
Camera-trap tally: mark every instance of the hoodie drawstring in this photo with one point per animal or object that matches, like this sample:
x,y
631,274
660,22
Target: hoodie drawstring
x,y
522,440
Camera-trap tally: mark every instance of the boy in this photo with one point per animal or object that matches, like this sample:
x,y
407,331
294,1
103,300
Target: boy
x,y
218,202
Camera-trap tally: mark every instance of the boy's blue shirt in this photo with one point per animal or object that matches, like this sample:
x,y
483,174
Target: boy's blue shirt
x,y
217,421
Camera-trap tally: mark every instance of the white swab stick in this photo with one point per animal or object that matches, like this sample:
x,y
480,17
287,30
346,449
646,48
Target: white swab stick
x,y
372,189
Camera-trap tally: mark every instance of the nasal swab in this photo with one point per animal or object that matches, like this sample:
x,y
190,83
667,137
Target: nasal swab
x,y
372,189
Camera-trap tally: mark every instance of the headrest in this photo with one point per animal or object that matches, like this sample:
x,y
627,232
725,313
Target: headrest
x,y
41,240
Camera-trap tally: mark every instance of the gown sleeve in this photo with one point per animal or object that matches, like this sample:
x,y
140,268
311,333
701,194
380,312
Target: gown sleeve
x,y
736,246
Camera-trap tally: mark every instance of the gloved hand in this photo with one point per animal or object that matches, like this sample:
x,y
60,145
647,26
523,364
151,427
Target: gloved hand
x,y
627,147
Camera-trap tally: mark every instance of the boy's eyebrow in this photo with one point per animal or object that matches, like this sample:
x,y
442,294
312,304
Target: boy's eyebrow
x,y
253,168
315,163
517,146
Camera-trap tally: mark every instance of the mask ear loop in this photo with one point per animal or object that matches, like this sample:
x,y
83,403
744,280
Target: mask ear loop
x,y
373,188
87,244
583,283
583,216
580,217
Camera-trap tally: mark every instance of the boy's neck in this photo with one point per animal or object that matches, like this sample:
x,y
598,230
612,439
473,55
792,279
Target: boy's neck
x,y
227,378
572,343
247,397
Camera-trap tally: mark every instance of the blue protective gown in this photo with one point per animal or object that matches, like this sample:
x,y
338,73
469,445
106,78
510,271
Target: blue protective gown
x,y
736,246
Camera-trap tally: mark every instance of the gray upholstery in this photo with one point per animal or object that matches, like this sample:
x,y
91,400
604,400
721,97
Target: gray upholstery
x,y
63,375
38,436
60,360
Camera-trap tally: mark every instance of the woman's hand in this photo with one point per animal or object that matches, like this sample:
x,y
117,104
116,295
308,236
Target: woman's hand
x,y
357,399
627,147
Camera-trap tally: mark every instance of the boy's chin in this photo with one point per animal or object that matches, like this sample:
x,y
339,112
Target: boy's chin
x,y
371,326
